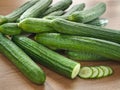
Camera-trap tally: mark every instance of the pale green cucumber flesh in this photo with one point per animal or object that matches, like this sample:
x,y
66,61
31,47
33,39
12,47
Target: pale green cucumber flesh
x,y
105,70
95,72
85,72
101,72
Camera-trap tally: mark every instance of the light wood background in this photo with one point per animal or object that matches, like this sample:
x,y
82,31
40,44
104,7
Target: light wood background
x,y
12,79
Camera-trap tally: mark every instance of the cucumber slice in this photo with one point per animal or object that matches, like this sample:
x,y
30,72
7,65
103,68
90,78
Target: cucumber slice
x,y
105,70
85,72
110,70
95,72
101,72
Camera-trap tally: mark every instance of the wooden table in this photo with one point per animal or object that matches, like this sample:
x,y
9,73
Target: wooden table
x,y
12,79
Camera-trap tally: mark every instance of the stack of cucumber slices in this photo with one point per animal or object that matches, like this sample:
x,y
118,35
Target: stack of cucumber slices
x,y
93,72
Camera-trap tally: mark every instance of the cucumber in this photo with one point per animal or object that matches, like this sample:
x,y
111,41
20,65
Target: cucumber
x,y
105,70
35,25
88,15
101,72
60,5
110,70
85,72
10,29
13,16
72,28
95,72
56,13
99,22
21,60
84,56
77,7
36,9
47,57
80,43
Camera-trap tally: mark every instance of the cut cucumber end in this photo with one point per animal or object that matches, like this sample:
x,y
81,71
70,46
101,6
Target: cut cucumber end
x,y
75,71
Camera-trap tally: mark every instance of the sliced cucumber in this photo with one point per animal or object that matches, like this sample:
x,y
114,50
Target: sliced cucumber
x,y
105,70
110,70
95,72
101,72
85,72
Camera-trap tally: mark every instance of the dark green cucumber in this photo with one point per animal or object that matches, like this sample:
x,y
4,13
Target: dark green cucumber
x,y
56,13
84,56
88,15
73,28
60,5
47,57
21,60
17,13
99,22
35,25
77,7
10,29
100,47
36,9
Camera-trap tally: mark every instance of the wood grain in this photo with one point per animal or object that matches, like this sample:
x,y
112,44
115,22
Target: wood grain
x,y
12,79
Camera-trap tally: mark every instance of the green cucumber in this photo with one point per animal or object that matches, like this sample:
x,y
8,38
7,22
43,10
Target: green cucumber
x,y
35,25
95,72
21,60
77,7
60,5
101,72
99,22
47,57
13,16
80,43
85,72
110,70
10,29
36,9
84,56
105,70
88,15
56,13
73,28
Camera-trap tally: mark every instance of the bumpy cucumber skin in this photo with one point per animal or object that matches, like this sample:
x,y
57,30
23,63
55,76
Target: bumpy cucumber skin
x,y
56,13
77,7
99,22
17,13
73,28
60,5
10,29
84,56
79,43
88,15
34,25
47,57
25,64
36,9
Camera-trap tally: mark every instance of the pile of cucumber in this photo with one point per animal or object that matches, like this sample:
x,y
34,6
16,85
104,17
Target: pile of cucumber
x,y
80,33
